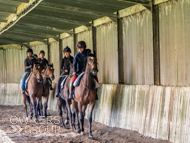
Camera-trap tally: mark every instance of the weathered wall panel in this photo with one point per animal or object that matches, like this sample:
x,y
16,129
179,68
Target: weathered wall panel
x,y
174,23
54,58
15,64
138,49
107,53
156,111
85,36
1,66
68,41
38,48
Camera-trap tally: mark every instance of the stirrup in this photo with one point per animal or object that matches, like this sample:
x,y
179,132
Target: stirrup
x,y
71,95
57,94
23,91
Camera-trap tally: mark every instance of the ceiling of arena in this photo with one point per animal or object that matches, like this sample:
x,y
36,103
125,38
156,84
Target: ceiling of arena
x,y
23,21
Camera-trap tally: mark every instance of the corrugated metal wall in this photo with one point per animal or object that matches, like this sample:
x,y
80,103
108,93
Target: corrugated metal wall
x,y
68,41
174,43
38,48
15,64
107,53
138,49
85,36
54,58
1,66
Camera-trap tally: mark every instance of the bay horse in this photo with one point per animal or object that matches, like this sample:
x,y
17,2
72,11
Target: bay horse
x,y
48,74
34,90
60,102
85,93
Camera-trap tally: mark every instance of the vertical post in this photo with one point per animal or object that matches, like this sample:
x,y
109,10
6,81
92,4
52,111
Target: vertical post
x,y
60,51
93,37
5,66
120,49
48,49
156,43
74,41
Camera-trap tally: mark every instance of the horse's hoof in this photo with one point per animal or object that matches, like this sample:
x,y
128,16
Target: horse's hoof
x,y
90,136
66,122
36,120
82,133
78,130
63,126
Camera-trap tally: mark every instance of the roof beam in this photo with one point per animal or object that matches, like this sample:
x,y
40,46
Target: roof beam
x,y
55,19
65,7
20,38
47,22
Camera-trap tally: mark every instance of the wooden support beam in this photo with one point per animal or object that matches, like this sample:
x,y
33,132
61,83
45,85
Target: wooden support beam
x,y
156,43
120,49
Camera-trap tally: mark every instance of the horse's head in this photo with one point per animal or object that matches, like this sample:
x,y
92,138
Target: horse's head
x,y
37,70
92,64
49,71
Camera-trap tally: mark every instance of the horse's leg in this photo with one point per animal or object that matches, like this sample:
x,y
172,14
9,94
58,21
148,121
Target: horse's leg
x,y
35,106
70,114
32,106
91,107
59,103
75,108
24,102
81,117
31,110
40,108
45,105
67,116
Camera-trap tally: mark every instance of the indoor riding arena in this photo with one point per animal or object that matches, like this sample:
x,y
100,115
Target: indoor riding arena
x,y
142,49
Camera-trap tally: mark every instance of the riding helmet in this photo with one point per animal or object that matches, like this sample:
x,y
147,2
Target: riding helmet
x,y
81,44
35,55
67,49
29,50
42,52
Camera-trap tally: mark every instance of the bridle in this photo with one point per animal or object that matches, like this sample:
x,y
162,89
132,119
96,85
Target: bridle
x,y
38,80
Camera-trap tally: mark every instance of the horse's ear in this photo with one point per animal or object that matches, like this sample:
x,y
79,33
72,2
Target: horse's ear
x,y
95,53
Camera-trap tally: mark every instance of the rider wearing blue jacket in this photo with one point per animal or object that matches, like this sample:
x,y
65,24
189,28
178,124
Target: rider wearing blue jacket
x,y
79,64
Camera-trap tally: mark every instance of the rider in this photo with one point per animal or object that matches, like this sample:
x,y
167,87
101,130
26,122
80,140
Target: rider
x,y
35,56
43,62
28,63
65,67
79,64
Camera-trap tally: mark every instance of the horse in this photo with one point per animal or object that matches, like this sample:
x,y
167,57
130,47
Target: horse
x,y
48,74
34,90
60,102
85,93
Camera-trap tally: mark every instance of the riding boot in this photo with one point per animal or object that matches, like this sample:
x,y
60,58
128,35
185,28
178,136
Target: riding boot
x,y
96,95
72,91
50,84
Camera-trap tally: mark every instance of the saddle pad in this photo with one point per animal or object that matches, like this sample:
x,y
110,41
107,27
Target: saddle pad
x,y
27,79
96,84
63,81
77,81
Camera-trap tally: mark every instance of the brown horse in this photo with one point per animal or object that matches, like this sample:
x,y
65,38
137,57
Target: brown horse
x,y
85,93
47,75
60,102
35,90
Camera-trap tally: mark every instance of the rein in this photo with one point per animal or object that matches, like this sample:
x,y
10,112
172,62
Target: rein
x,y
37,78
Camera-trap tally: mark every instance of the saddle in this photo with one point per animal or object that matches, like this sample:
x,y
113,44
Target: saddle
x,y
78,80
63,81
27,79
